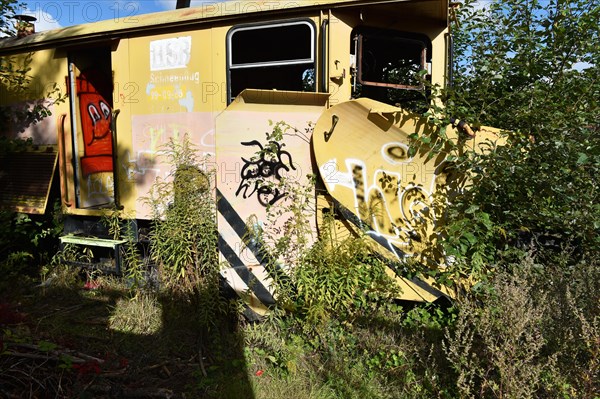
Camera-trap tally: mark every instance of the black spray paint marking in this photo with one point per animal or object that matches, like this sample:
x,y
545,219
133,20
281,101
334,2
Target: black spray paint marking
x,y
261,174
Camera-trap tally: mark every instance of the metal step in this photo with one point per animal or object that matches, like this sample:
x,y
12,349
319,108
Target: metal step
x,y
107,264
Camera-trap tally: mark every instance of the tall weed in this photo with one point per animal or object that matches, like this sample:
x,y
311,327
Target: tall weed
x,y
533,332
184,231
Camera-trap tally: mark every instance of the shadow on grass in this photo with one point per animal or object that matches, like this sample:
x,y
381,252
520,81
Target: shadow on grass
x,y
66,346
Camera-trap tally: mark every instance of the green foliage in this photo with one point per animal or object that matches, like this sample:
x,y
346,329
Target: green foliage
x,y
26,242
275,344
285,232
24,231
531,68
14,145
521,219
340,279
183,236
528,334
497,346
527,80
8,8
373,356
184,233
60,273
428,316
529,328
134,263
520,64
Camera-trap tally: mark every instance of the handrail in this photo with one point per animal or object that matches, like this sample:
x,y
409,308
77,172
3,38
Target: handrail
x,y
324,53
63,160
334,121
115,155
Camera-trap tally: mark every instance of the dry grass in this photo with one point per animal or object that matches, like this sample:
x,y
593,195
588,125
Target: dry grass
x,y
141,315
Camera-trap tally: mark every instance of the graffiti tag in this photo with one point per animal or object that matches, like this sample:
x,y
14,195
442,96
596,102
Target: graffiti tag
x,y
261,174
397,212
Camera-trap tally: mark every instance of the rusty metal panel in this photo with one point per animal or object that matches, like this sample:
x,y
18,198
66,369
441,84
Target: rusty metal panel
x,y
26,178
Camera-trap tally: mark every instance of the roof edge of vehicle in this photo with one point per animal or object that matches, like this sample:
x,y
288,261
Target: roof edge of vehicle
x,y
210,12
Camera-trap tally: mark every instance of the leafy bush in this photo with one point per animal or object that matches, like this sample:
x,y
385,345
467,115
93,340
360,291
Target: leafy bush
x,y
27,243
528,219
495,348
530,68
342,280
544,180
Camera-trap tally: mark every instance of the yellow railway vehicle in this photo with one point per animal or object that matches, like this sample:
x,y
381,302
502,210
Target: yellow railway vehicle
x,y
219,73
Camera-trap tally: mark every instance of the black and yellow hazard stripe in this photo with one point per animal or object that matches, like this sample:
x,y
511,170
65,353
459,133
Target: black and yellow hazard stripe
x,y
242,277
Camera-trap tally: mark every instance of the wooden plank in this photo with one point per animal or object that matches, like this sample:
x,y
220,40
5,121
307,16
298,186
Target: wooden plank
x,y
26,179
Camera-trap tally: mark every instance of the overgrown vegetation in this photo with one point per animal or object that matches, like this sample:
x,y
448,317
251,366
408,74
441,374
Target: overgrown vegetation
x,y
184,231
26,241
520,332
181,263
525,225
530,68
166,304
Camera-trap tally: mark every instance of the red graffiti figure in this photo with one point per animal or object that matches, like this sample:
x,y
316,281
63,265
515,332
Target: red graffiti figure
x,y
96,118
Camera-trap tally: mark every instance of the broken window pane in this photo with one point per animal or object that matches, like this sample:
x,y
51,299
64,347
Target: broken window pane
x,y
390,66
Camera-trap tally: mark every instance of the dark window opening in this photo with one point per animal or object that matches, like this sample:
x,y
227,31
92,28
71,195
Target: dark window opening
x,y
96,66
391,66
276,56
282,77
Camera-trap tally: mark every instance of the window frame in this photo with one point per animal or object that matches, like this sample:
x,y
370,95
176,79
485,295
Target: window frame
x,y
266,25
400,37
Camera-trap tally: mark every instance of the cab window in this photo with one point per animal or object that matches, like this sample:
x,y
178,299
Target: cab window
x,y
390,66
277,56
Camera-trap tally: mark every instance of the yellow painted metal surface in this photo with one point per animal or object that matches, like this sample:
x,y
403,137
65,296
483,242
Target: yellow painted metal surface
x,y
377,189
362,150
233,10
162,103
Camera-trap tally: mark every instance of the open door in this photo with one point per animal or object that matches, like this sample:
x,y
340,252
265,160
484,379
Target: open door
x,y
91,97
